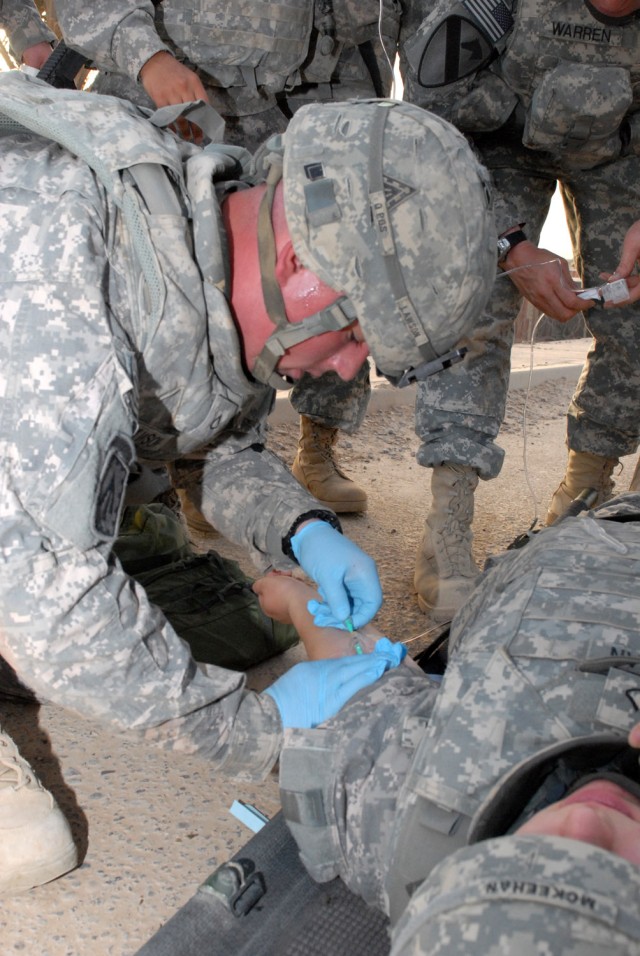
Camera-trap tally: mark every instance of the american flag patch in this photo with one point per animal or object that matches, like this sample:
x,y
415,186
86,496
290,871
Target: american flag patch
x,y
494,18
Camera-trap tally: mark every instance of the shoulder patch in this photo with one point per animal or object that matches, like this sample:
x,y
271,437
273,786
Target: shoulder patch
x,y
457,48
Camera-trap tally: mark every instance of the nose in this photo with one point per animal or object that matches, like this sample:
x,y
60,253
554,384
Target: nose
x,y
348,362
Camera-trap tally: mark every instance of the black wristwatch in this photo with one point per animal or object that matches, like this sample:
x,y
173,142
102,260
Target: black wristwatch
x,y
507,243
323,515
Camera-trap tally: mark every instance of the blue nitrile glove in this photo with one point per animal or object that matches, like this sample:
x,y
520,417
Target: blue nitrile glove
x,y
346,577
314,691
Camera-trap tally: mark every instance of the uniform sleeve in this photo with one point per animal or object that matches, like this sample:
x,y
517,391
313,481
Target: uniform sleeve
x,y
117,35
77,630
247,493
23,25
507,212
339,783
86,637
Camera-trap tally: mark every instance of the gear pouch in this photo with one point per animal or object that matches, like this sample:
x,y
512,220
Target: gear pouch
x,y
486,107
576,112
205,597
230,39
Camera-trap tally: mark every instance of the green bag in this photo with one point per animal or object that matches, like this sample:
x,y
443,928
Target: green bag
x,y
207,598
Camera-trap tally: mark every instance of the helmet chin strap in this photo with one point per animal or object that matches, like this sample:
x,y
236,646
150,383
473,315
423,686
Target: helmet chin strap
x,y
334,317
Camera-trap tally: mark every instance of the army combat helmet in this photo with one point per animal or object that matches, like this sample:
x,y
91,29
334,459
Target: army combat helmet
x,y
531,894
388,205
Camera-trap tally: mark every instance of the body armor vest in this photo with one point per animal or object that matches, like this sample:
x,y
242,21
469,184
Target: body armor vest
x,y
237,44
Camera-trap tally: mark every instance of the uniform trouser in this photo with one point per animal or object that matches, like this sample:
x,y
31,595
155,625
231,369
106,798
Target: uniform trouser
x,y
327,399
459,412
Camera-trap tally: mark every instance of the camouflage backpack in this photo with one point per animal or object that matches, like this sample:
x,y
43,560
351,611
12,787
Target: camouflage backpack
x,y
206,598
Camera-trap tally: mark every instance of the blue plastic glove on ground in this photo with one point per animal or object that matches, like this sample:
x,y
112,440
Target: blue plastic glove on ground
x,y
314,691
345,576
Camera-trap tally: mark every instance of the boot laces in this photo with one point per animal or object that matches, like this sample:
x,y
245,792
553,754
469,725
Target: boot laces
x,y
325,446
14,771
454,553
455,535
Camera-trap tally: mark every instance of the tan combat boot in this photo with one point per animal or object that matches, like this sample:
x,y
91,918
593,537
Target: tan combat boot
x,y
36,844
584,470
316,469
445,569
195,521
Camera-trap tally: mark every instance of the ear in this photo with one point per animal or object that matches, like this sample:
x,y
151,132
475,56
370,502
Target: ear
x,y
287,263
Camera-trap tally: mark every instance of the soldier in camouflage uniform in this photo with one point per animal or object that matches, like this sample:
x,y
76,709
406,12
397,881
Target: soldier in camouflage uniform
x,y
154,293
556,872
531,895
546,93
541,690
29,37
36,845
256,70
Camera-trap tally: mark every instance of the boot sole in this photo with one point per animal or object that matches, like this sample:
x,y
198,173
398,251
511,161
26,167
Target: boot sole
x,y
439,616
345,507
352,506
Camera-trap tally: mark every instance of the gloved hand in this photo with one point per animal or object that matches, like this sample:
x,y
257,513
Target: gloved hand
x,y
346,577
314,691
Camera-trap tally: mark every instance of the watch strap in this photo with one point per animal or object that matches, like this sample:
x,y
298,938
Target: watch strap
x,y
320,514
513,239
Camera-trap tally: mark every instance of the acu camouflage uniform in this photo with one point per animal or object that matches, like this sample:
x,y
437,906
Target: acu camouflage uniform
x,y
546,650
23,25
560,103
257,71
103,275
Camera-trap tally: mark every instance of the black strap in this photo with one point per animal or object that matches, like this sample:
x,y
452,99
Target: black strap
x,y
368,54
283,104
321,514
61,68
